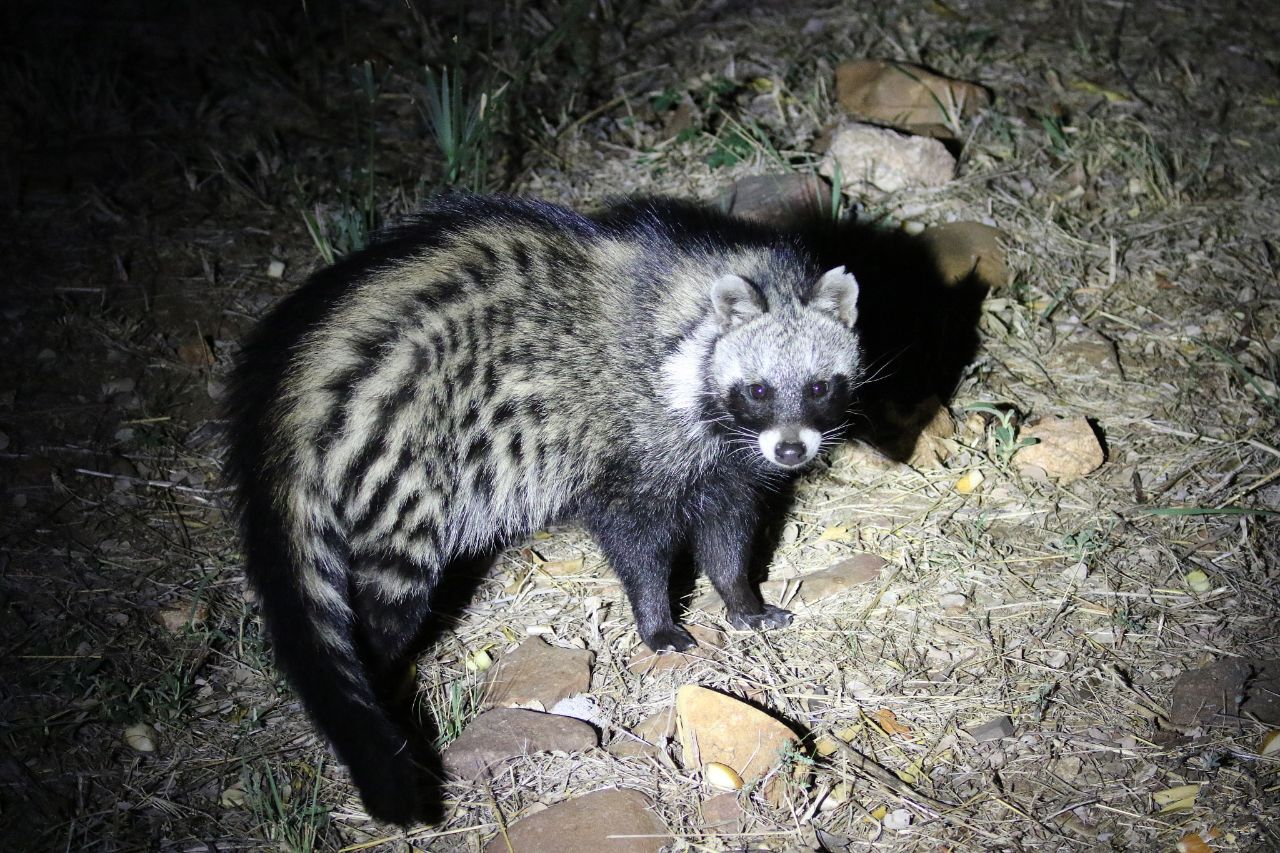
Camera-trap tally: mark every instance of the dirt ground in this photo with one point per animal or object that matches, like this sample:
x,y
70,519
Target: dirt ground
x,y
172,168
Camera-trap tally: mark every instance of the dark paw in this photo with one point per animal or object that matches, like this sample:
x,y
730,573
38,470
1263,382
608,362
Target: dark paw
x,y
770,617
673,639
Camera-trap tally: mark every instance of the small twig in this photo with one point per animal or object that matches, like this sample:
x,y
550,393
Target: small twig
x,y
159,484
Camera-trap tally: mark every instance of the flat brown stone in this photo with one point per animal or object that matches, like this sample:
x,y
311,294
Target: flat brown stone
x,y
840,577
1067,450
906,96
504,733
614,820
715,727
1228,691
962,250
779,198
653,732
644,661
538,672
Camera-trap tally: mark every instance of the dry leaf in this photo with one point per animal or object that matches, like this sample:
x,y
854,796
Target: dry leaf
x,y
888,721
835,533
1178,797
562,567
1193,843
1198,581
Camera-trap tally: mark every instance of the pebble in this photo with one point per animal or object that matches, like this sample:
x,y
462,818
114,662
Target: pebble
x,y
840,577
538,672
715,727
778,198
504,733
886,160
652,732
1210,694
1068,449
613,820
906,96
963,251
644,661
994,729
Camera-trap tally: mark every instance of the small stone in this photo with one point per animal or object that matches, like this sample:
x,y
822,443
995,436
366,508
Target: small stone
x,y
1228,691
275,269
906,96
1081,351
539,672
964,251
933,443
1068,449
715,727
504,733
644,661
995,729
779,198
886,160
840,577
141,737
649,735
723,814
613,820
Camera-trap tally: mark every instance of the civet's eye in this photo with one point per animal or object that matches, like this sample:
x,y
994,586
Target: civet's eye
x,y
758,391
819,388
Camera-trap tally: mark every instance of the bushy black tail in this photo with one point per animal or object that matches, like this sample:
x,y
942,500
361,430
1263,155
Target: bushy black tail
x,y
316,647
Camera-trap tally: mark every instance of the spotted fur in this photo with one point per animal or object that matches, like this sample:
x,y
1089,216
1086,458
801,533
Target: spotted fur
x,y
494,365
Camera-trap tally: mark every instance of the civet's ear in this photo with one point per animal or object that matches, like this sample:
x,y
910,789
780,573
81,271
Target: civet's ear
x,y
735,301
837,294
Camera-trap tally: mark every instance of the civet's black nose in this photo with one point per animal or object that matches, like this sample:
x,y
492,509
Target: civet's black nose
x,y
789,452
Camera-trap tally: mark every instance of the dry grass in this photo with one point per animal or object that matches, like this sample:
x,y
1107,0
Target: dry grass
x,y
1130,157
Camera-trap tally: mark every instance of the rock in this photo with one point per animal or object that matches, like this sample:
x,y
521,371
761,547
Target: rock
x,y
906,96
1000,727
886,160
653,732
931,448
840,577
1067,450
709,639
538,672
1228,691
964,250
504,733
779,198
723,814
141,737
614,820
715,727
1083,352
918,433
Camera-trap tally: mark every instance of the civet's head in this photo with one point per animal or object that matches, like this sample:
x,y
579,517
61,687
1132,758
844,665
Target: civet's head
x,y
780,376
